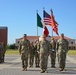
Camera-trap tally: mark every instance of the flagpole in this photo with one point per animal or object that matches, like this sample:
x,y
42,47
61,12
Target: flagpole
x,y
43,17
52,32
52,29
37,26
37,30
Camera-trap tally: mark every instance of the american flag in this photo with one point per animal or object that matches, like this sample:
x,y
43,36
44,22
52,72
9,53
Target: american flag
x,y
47,18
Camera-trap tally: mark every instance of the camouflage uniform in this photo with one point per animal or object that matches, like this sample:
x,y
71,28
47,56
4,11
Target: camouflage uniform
x,y
3,51
23,50
62,49
44,48
37,59
0,52
31,55
53,52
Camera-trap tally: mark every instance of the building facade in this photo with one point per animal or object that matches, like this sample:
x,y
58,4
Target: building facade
x,y
72,43
4,35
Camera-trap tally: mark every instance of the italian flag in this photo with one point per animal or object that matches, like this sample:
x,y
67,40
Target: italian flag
x,y
41,24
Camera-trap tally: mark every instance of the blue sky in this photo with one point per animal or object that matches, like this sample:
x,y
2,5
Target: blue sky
x,y
20,17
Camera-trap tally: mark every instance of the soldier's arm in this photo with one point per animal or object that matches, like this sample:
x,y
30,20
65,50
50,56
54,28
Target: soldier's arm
x,y
38,47
57,45
19,48
67,46
29,48
50,48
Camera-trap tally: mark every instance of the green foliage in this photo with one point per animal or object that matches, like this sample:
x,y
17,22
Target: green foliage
x,y
7,47
12,46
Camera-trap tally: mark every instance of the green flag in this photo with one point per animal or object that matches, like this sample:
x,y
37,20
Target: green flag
x,y
39,23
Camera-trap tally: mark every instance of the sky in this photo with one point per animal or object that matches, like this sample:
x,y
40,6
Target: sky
x,y
20,17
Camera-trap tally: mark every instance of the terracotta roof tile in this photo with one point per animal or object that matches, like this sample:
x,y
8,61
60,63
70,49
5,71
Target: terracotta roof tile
x,y
36,37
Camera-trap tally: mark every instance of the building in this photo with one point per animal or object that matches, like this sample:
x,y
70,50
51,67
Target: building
x,y
72,44
31,38
4,35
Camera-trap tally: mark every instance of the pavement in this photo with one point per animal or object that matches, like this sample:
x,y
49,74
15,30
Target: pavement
x,y
12,66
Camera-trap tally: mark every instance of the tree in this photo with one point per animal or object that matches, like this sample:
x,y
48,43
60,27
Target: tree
x,y
12,46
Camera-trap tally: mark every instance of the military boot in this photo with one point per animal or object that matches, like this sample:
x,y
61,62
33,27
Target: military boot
x,y
42,71
46,71
29,66
23,69
36,65
61,69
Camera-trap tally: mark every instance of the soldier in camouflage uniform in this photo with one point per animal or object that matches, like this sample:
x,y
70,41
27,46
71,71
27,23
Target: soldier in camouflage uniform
x,y
44,48
31,54
23,50
37,59
0,52
3,51
53,52
62,49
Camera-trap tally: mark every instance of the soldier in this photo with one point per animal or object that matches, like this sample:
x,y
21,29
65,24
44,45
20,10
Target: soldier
x,y
0,52
53,52
62,49
3,51
31,54
37,59
44,49
23,50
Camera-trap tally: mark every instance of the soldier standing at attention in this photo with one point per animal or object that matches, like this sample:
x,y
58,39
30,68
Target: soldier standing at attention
x,y
62,49
23,50
44,49
53,52
31,54
3,51
37,59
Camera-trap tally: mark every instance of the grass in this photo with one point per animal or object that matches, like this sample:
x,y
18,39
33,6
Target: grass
x,y
11,52
72,52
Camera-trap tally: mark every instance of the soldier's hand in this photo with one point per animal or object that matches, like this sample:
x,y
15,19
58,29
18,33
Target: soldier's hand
x,y
38,52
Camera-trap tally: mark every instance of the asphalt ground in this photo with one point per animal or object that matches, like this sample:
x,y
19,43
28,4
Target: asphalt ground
x,y
12,66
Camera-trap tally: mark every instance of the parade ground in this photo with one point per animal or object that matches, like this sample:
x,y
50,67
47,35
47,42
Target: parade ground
x,y
12,66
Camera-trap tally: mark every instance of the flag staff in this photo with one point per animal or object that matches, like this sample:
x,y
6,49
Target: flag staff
x,y
36,21
52,32
52,14
43,8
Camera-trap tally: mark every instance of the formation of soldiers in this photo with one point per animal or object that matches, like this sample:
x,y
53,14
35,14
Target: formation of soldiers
x,y
41,50
2,52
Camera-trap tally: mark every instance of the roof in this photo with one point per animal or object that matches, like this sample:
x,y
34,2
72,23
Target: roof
x,y
57,37
37,37
3,27
31,37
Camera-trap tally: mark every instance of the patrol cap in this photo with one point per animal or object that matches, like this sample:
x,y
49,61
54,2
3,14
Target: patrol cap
x,y
24,35
62,34
31,41
43,35
52,38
